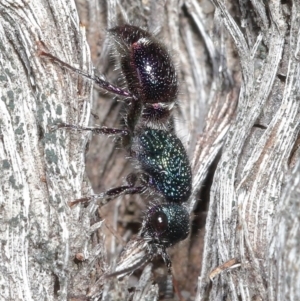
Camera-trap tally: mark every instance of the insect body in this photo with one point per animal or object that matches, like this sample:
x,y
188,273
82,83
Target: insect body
x,y
163,165
149,72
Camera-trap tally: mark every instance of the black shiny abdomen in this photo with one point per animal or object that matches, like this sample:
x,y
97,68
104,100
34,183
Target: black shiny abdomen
x,y
149,71
163,157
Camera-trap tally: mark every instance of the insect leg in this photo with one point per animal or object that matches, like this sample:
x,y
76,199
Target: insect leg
x,y
95,130
100,82
113,193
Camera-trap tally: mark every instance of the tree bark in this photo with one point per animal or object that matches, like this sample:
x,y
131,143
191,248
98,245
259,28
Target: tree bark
x,y
41,169
256,181
238,116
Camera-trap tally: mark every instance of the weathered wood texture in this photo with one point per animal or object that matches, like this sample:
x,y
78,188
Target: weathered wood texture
x,y
41,169
254,186
238,63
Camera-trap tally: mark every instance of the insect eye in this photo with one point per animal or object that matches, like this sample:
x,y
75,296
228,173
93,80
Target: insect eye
x,y
166,224
159,222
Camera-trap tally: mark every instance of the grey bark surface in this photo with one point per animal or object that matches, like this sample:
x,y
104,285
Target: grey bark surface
x,y
41,169
254,179
238,65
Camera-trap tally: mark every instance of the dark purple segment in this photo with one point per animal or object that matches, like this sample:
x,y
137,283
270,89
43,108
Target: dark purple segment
x,y
146,64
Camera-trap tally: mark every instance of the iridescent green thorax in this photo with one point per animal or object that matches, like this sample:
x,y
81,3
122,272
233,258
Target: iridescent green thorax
x,y
163,157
